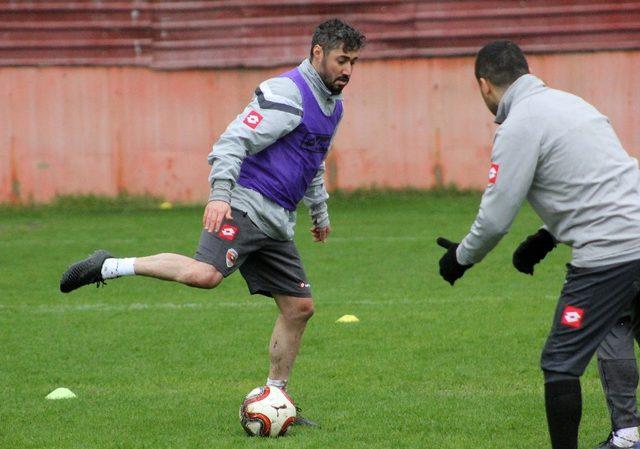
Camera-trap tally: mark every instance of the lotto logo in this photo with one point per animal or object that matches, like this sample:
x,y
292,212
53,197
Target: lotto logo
x,y
253,119
572,317
493,173
228,232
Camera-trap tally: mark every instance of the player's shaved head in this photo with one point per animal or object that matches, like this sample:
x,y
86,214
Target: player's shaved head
x,y
501,62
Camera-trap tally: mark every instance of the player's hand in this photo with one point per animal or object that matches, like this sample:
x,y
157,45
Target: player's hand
x,y
320,234
533,250
215,212
450,269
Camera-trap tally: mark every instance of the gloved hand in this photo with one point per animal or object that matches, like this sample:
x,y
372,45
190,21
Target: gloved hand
x,y
533,250
450,269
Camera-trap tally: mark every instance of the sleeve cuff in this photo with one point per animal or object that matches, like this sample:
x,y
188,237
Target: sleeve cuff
x,y
221,191
462,257
320,215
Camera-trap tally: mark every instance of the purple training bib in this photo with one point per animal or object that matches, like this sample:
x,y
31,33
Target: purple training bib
x,y
283,171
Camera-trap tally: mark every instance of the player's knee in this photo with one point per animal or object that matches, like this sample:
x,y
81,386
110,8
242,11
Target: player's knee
x,y
557,376
211,279
304,310
202,275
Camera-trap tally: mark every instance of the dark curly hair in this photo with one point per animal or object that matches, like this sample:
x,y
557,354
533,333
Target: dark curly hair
x,y
335,33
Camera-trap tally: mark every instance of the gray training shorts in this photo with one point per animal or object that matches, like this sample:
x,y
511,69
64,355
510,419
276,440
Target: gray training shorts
x,y
592,303
268,266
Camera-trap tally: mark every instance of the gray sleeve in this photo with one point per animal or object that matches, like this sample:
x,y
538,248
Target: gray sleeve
x,y
274,111
315,198
514,158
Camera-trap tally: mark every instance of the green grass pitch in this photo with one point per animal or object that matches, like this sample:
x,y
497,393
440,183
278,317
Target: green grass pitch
x,y
159,365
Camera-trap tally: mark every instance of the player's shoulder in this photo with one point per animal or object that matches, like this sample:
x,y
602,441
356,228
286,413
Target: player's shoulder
x,y
281,85
280,93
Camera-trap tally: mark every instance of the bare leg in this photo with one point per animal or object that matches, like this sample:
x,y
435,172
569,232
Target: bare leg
x,y
178,268
287,334
101,266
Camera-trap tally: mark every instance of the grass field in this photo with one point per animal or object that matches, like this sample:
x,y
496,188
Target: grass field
x,y
159,365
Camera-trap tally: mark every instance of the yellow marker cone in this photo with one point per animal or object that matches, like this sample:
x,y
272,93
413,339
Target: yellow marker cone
x,y
347,319
166,205
61,393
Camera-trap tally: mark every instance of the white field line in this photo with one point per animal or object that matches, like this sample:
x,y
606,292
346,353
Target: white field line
x,y
134,307
373,238
260,302
71,242
336,239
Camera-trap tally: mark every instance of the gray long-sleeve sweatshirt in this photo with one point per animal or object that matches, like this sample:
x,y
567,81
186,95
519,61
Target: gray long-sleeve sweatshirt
x,y
279,102
560,153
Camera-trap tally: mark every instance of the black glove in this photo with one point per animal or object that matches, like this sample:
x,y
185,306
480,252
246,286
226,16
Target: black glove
x,y
450,269
532,251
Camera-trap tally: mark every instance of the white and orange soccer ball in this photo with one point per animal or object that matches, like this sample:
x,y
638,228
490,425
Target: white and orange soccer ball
x,y
267,412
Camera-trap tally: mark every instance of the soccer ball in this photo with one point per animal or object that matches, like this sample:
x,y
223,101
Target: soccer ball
x,y
267,412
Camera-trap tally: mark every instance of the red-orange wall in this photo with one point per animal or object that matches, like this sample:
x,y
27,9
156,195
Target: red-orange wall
x,y
408,123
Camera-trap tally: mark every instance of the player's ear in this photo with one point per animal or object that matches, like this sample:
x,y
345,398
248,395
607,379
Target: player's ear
x,y
317,52
485,86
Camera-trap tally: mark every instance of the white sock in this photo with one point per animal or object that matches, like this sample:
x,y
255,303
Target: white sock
x,y
625,437
114,268
277,383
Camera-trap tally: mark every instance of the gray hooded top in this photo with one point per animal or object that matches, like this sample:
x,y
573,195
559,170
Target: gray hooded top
x,y
561,154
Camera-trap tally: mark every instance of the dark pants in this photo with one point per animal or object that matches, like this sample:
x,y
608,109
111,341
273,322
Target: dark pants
x,y
592,304
619,372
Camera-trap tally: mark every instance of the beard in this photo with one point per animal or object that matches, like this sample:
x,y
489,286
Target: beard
x,y
331,83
